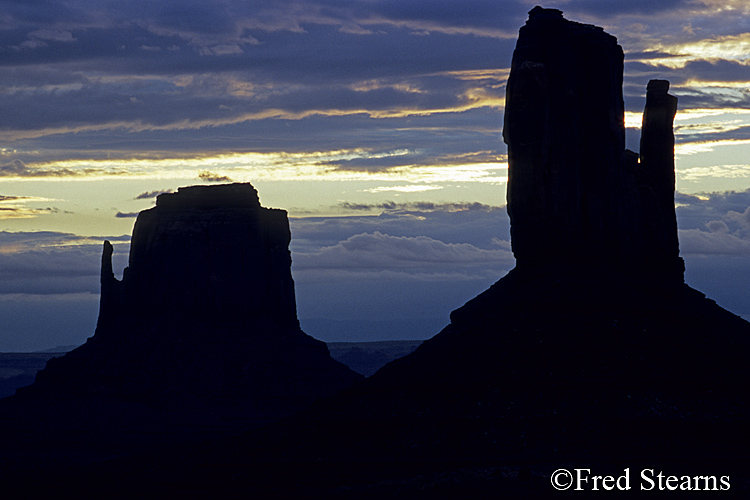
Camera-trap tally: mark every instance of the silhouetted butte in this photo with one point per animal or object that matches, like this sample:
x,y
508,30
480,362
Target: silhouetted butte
x,y
199,339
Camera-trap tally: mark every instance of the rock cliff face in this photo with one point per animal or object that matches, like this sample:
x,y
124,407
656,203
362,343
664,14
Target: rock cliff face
x,y
577,199
200,338
204,252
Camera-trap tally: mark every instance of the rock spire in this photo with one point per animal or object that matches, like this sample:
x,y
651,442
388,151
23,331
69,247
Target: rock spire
x,y
576,198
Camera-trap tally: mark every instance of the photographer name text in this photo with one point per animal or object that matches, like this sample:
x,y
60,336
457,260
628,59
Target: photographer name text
x,y
647,480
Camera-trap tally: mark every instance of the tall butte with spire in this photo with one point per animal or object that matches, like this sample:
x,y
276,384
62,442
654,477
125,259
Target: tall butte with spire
x,y
199,339
577,199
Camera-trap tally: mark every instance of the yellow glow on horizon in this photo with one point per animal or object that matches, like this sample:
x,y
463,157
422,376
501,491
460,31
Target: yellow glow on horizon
x,y
714,171
731,47
692,148
414,188
473,99
691,114
308,166
633,120
478,74
732,118
15,207
723,47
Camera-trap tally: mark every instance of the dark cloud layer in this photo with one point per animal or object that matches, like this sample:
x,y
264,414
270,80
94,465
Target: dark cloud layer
x,y
47,263
212,177
714,224
612,8
17,168
151,194
88,79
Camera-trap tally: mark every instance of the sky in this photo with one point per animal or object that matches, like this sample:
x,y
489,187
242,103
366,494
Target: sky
x,y
375,124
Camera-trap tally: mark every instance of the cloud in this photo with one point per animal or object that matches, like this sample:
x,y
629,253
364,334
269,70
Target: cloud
x,y
52,35
212,177
4,199
443,222
152,194
716,70
109,84
743,219
714,223
416,206
126,215
13,168
20,212
44,263
262,82
696,174
42,12
709,224
251,76
475,16
669,9
17,168
14,207
185,103
466,240
379,161
410,188
694,241
717,226
695,211
377,251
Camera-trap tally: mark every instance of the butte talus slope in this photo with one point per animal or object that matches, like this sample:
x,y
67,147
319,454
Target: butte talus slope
x,y
199,339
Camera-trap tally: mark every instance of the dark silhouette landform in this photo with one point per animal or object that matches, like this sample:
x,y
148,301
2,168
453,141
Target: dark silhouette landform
x,y
199,339
591,353
19,369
